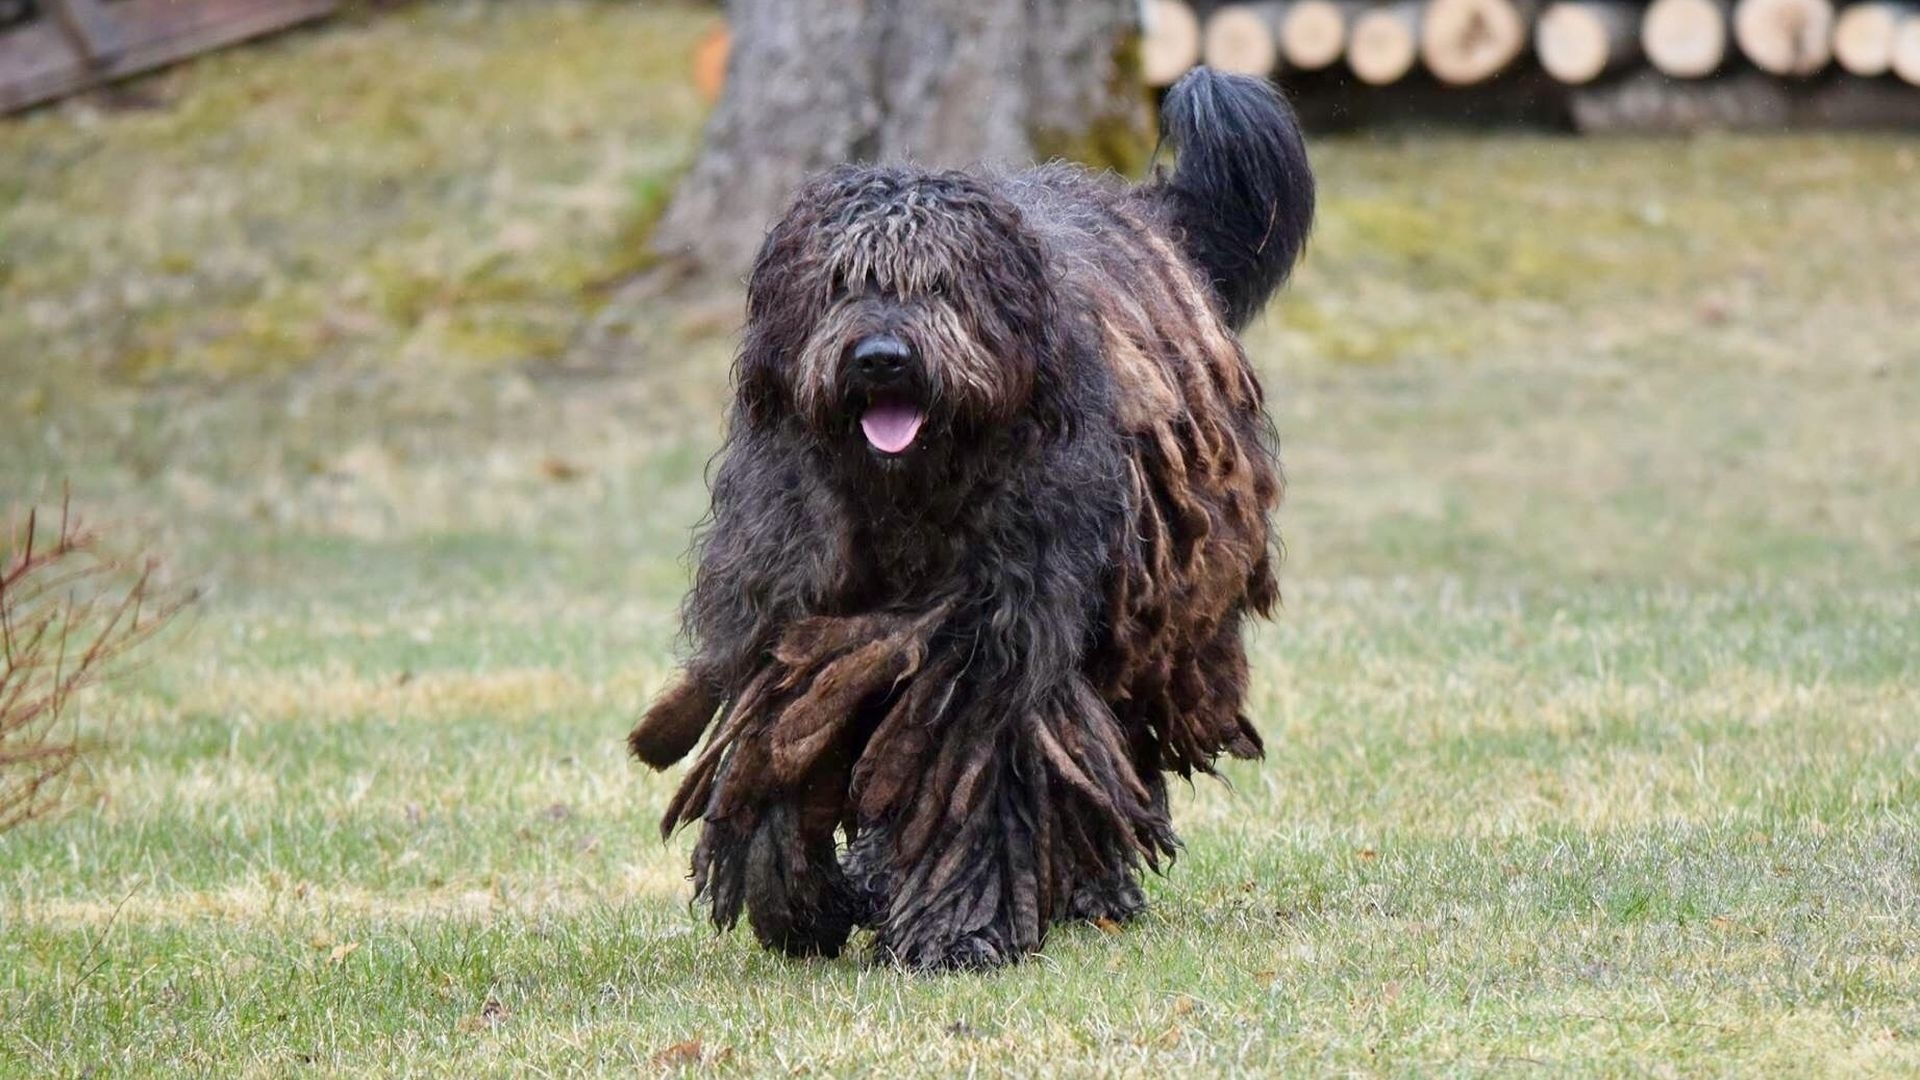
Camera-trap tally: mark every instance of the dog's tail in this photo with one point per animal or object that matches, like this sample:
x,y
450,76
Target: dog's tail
x,y
1242,194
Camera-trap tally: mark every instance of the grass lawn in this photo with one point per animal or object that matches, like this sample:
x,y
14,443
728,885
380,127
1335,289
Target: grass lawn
x,y
1593,715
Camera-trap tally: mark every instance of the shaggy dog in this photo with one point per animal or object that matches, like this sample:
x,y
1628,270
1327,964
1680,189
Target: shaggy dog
x,y
992,507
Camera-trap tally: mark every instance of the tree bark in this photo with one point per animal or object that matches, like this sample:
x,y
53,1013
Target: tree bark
x,y
813,83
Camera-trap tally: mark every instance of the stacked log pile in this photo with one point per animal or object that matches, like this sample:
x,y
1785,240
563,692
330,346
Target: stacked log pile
x,y
1598,65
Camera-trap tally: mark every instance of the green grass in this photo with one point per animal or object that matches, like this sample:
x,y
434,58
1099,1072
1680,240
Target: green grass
x,y
1592,712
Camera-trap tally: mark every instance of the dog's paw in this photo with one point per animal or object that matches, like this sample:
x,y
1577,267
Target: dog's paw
x,y
796,899
981,950
1117,899
974,952
823,935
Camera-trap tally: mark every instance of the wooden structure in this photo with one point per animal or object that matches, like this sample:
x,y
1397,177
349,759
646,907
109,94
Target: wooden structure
x,y
66,46
1592,65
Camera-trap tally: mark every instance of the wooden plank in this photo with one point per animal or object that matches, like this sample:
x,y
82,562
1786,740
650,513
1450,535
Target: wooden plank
x,y
38,64
91,27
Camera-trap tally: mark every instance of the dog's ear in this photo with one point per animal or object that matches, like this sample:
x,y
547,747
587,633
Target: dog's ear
x,y
777,300
786,291
1009,292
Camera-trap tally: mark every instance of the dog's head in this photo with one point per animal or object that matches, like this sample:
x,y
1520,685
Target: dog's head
x,y
897,313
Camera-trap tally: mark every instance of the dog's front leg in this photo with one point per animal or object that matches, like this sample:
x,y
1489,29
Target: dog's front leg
x,y
770,788
1003,784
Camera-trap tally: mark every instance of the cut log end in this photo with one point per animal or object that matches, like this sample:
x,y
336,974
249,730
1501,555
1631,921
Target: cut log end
x,y
1785,37
1313,33
1906,50
1469,41
1863,36
1385,43
1171,44
1579,40
1243,39
1686,39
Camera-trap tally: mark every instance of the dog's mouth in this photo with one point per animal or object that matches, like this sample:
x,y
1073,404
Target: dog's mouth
x,y
892,422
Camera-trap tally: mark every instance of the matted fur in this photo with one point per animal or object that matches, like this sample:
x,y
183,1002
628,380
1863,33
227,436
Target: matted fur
x,y
949,681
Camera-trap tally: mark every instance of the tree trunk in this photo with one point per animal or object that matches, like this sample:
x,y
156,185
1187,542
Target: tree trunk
x,y
813,83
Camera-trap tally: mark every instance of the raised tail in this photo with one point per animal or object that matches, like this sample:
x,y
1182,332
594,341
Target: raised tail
x,y
1241,195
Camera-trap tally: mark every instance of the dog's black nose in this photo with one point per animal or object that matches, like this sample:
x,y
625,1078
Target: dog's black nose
x,y
881,357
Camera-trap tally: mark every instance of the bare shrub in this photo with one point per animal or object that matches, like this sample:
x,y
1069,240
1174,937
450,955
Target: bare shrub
x,y
71,612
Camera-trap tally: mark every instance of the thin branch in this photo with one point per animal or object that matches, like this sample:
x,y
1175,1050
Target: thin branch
x,y
70,613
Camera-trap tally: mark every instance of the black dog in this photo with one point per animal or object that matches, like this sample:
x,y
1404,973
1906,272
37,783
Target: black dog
x,y
992,507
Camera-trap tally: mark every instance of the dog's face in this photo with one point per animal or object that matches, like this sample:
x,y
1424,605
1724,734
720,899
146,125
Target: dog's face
x,y
896,313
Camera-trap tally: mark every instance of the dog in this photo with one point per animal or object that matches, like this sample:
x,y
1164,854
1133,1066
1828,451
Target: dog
x,y
993,504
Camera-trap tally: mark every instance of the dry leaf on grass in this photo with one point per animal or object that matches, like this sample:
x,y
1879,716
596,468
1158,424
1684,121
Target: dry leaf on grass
x,y
560,470
686,1052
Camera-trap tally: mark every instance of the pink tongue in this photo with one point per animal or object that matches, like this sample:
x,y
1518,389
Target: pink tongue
x,y
891,425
